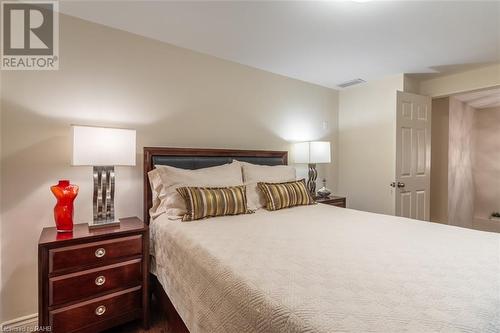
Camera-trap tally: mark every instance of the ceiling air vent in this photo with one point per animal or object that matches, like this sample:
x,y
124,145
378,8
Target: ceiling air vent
x,y
351,83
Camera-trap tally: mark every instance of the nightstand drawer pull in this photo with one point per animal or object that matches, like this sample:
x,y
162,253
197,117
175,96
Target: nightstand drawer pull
x,y
100,310
100,252
100,280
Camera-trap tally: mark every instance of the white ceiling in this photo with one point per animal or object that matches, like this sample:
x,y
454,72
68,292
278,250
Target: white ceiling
x,y
481,99
325,42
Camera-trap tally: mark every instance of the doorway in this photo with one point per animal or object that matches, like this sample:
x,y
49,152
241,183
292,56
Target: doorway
x,y
465,163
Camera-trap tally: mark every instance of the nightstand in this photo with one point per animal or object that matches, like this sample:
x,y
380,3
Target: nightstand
x,y
332,200
92,280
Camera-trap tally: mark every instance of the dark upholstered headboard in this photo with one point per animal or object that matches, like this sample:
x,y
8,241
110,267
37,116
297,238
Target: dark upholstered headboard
x,y
194,158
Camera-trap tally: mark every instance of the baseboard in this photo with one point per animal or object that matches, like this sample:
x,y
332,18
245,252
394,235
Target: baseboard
x,y
21,324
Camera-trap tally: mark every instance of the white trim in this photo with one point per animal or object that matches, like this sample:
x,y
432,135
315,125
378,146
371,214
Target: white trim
x,y
22,324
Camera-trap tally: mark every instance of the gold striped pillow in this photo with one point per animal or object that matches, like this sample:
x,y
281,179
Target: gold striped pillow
x,y
204,202
288,194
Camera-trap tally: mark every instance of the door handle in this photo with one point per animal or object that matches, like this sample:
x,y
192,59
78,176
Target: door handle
x,y
398,184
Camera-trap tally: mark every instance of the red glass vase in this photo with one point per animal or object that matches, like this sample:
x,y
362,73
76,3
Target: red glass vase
x,y
63,210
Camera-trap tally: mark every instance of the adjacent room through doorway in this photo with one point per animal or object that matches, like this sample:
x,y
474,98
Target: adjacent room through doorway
x,y
465,173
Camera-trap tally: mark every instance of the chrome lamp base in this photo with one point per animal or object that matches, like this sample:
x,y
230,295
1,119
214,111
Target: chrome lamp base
x,y
311,180
104,224
104,198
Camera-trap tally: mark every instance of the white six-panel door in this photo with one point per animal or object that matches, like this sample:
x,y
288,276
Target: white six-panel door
x,y
413,156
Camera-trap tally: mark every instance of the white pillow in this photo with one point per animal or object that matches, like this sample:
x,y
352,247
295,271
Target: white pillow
x,y
253,173
165,180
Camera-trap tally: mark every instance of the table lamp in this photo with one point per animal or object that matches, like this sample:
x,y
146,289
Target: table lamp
x,y
312,153
103,148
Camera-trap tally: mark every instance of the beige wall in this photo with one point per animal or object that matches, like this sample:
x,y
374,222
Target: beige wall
x,y
367,144
460,157
484,77
487,162
439,160
172,96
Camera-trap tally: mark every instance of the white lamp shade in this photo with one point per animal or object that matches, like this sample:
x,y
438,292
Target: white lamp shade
x,y
301,152
319,152
312,152
99,146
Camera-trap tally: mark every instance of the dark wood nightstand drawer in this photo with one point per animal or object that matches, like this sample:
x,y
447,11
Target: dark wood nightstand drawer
x,y
85,316
90,283
93,254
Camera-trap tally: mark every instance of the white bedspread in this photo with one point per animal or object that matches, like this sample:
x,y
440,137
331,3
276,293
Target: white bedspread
x,y
326,269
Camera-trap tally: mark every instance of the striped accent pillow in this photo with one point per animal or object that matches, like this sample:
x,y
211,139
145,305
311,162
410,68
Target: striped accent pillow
x,y
204,202
288,194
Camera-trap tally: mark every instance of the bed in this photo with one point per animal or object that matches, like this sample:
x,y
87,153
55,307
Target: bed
x,y
319,268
